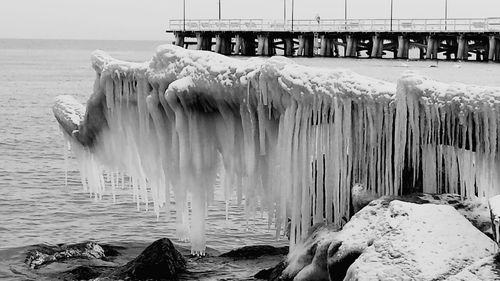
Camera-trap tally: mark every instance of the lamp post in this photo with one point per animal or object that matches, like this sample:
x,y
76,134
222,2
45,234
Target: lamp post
x,y
391,12
445,14
345,10
284,12
219,9
345,14
184,15
292,13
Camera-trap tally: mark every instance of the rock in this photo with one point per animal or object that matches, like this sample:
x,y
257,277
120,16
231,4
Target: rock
x,y
273,273
484,269
82,272
255,251
159,261
361,197
494,206
391,240
45,254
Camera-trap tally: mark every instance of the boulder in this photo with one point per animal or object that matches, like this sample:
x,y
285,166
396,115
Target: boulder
x,y
273,273
45,254
391,240
255,251
159,261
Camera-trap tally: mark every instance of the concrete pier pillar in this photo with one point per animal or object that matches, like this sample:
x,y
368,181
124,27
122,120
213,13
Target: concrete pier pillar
x,y
223,43
248,45
403,47
330,47
265,45
204,41
376,52
323,46
179,39
300,50
351,46
238,39
462,52
288,46
497,50
306,45
492,47
432,48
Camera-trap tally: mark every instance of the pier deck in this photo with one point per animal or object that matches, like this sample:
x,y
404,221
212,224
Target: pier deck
x,y
459,39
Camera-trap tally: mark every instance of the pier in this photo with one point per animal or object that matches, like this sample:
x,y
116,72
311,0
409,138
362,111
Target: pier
x,y
450,39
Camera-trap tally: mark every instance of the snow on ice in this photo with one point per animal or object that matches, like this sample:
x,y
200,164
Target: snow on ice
x,y
287,138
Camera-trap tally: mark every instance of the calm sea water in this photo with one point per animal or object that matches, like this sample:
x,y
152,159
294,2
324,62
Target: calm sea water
x,y
37,207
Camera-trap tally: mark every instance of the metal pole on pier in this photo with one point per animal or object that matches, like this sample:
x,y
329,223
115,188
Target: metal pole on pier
x,y
391,12
292,13
284,12
184,15
445,14
345,14
219,9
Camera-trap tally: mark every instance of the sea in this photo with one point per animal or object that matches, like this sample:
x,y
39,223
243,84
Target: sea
x,y
39,206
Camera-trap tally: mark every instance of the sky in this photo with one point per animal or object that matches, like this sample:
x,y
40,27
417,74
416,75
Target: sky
x,y
148,19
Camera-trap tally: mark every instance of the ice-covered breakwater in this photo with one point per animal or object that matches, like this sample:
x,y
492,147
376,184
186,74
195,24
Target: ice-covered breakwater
x,y
287,138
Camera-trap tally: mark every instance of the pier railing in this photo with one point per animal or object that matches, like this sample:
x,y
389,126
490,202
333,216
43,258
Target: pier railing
x,y
351,25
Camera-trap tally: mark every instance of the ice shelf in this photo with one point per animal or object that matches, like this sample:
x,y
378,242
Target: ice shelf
x,y
287,138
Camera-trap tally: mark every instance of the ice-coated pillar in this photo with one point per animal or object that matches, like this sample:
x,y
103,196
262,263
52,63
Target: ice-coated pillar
x,y
323,48
308,45
492,48
265,45
462,52
288,46
403,47
351,48
248,45
237,44
179,39
375,46
204,41
432,47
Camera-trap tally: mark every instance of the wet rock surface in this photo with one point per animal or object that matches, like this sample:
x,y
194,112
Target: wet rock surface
x,y
45,254
159,261
255,251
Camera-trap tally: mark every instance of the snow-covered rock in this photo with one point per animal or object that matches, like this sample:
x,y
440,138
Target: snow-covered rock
x,y
392,240
494,203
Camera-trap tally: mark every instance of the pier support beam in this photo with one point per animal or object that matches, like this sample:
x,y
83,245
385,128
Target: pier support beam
x,y
179,39
306,45
377,46
237,44
265,45
403,47
288,46
351,46
463,49
204,41
247,45
492,48
223,44
322,48
432,47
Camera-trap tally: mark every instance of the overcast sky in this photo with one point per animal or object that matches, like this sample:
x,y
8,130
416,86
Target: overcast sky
x,y
147,19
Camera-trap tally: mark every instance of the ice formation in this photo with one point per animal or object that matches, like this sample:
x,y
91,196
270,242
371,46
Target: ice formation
x,y
287,138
